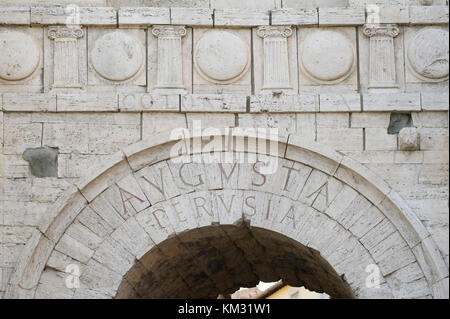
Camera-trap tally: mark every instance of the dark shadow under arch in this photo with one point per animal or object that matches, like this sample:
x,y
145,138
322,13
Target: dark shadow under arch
x,y
213,260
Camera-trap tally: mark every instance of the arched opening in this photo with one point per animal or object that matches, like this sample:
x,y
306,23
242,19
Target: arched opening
x,y
148,240
213,260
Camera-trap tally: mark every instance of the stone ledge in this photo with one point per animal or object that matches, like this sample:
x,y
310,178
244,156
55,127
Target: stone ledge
x,y
435,101
224,103
214,103
284,103
146,102
391,102
146,16
347,102
29,102
91,102
295,17
342,16
428,15
241,18
143,16
15,15
385,14
192,16
88,15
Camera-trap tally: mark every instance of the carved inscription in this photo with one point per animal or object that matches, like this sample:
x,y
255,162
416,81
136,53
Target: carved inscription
x,y
175,191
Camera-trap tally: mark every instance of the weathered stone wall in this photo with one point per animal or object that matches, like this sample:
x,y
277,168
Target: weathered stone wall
x,y
339,80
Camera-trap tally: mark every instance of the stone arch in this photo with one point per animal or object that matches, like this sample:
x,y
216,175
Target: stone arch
x,y
320,199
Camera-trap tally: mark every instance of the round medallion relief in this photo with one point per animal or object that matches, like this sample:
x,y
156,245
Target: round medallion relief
x,y
221,56
428,54
327,56
19,57
117,56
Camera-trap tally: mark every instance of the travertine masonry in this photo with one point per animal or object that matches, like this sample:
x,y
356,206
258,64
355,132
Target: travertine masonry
x,y
105,82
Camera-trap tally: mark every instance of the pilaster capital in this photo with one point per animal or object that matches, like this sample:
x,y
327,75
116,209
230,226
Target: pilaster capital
x,y
274,31
169,31
60,32
375,29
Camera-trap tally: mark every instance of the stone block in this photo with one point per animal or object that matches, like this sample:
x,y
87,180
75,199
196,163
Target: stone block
x,y
149,102
248,4
74,249
152,123
191,16
435,101
347,102
331,120
378,139
283,103
20,102
15,234
341,16
108,139
67,137
19,137
364,119
387,14
408,157
65,15
433,139
15,15
240,17
342,139
91,102
428,14
306,126
295,17
314,3
213,103
408,139
391,102
129,16
285,123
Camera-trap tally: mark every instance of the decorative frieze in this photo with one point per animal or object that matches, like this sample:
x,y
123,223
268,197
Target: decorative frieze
x,y
65,60
382,72
276,62
170,65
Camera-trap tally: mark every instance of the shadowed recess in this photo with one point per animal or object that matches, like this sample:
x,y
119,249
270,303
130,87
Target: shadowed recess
x,y
213,260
